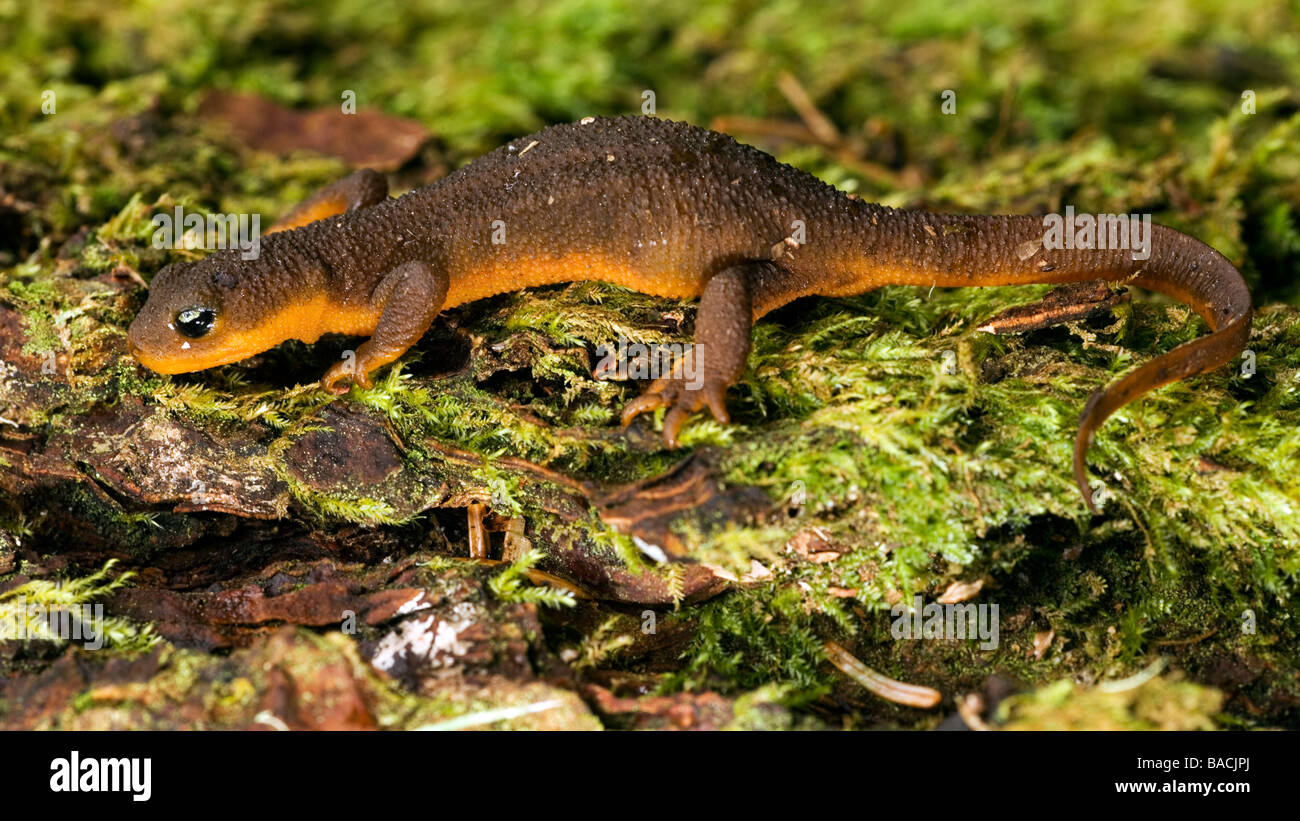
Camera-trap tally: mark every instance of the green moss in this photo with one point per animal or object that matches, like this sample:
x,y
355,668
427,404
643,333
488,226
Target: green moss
x,y
754,637
232,402
27,612
39,303
509,585
1167,703
766,708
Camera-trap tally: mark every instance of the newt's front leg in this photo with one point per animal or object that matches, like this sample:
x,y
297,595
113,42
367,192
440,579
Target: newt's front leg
x,y
408,298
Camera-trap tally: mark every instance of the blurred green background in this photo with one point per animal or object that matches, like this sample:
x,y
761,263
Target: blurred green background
x,y
1100,103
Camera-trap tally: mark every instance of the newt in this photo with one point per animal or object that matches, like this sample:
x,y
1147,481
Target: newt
x,y
661,207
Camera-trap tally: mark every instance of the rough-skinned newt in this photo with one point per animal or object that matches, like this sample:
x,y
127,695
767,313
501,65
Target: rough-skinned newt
x,y
664,208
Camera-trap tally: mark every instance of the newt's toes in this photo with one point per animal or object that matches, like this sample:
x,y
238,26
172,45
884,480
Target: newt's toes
x,y
682,401
644,403
340,378
334,383
715,397
673,422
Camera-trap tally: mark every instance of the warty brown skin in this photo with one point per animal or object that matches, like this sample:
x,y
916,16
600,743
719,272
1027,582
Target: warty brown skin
x,y
661,207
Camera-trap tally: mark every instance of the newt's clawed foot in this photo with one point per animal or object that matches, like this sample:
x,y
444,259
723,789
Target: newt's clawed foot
x,y
342,376
682,397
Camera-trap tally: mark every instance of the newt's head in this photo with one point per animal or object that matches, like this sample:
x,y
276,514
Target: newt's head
x,y
203,314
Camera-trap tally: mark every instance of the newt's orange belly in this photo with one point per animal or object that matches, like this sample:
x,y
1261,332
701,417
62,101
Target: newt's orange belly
x,y
471,280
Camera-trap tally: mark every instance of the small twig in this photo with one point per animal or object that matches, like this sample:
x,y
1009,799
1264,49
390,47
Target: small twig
x,y
802,134
548,579
1134,681
818,123
492,716
911,695
1190,640
468,457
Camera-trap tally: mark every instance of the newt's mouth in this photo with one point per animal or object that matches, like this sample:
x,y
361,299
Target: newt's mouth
x,y
160,364
188,361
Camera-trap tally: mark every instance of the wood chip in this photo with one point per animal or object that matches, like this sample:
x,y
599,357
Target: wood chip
x,y
478,547
1042,641
961,591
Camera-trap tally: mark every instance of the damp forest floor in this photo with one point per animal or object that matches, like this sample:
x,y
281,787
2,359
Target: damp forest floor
x,y
266,554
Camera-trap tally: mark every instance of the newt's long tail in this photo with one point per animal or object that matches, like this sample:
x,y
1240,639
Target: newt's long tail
x,y
914,248
1213,287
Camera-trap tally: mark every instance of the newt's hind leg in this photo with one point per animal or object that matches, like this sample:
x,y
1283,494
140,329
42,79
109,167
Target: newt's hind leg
x,y
731,301
358,190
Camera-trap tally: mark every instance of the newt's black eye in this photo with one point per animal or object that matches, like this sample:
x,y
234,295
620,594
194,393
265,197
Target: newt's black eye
x,y
195,322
